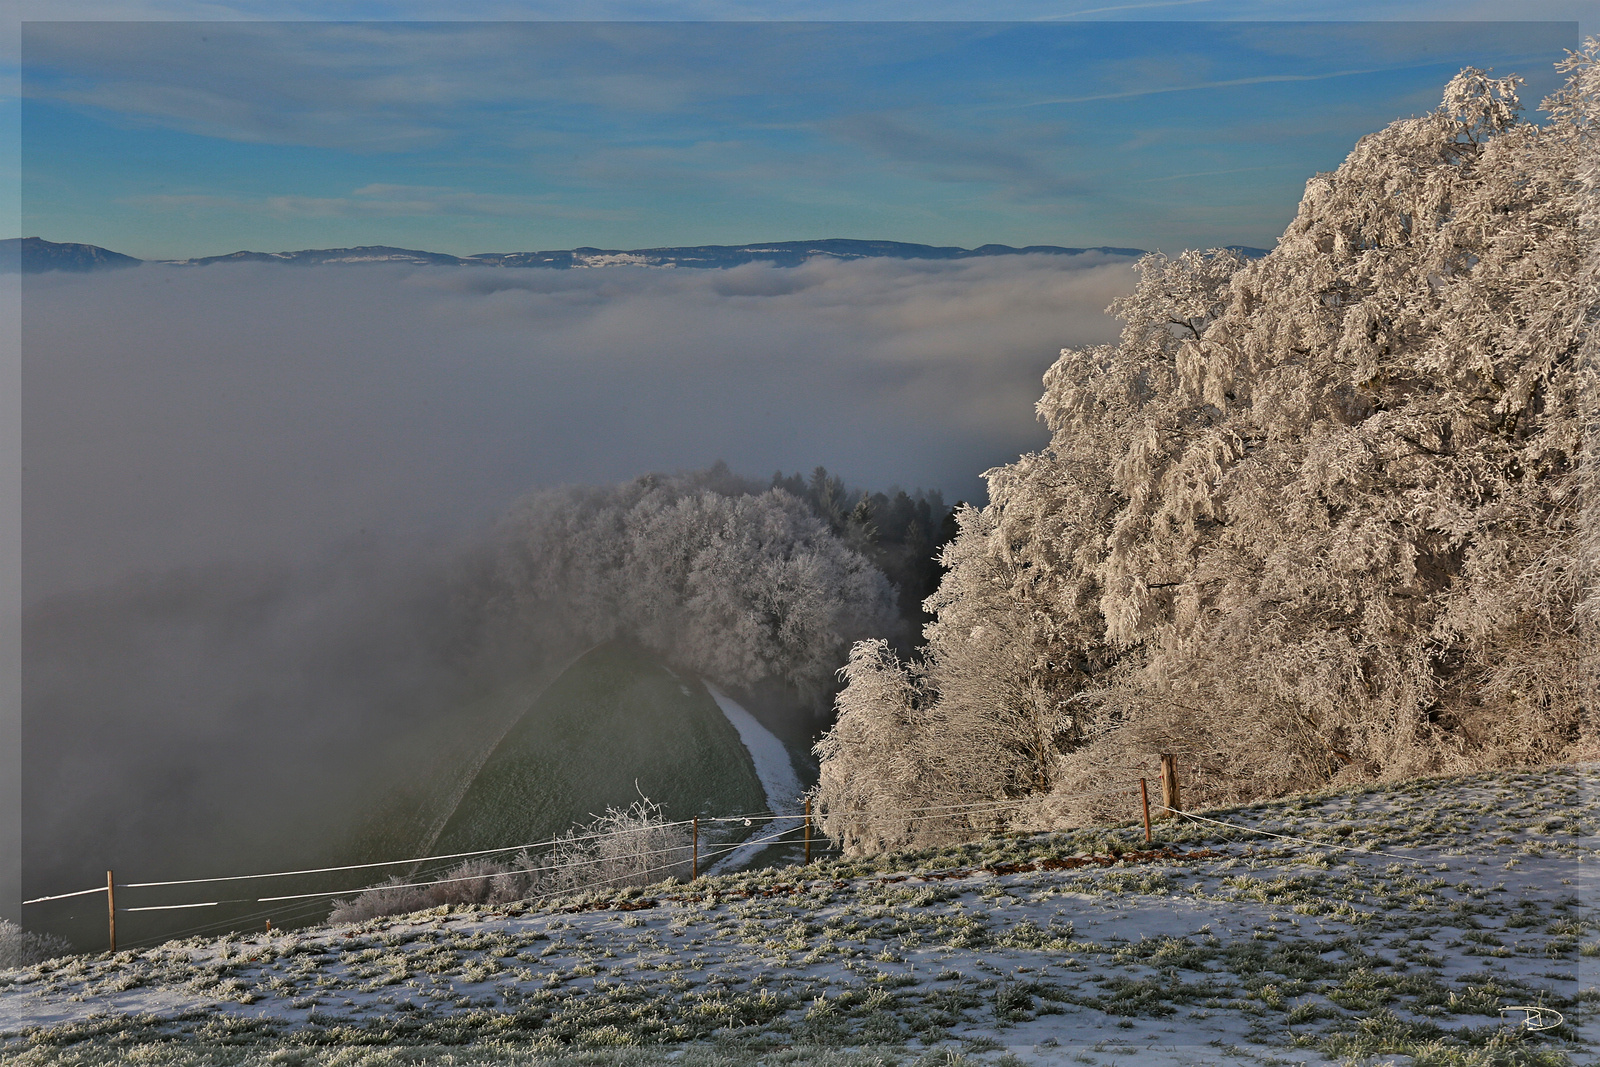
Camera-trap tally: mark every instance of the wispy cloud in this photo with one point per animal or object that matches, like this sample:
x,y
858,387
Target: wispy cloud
x,y
1223,83
376,200
391,87
783,10
1016,165
1215,173
1165,6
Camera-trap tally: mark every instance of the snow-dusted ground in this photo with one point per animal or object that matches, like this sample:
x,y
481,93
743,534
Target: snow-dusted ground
x,y
774,770
773,766
1054,949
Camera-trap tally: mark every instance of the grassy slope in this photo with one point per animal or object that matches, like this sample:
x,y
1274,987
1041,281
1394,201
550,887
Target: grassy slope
x,y
616,724
1253,951
575,736
409,790
406,818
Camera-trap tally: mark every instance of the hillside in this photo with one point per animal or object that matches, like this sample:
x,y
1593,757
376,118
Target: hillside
x,y
616,724
1215,944
523,763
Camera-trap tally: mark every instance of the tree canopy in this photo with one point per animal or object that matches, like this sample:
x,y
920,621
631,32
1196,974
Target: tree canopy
x,y
737,585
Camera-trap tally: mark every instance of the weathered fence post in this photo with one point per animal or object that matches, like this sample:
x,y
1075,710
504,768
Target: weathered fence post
x,y
1169,786
111,909
1144,797
694,864
808,831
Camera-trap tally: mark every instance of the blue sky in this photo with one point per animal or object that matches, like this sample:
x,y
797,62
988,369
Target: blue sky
x,y
170,138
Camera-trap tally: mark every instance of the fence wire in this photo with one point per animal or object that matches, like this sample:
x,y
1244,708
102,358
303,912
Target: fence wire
x,y
284,910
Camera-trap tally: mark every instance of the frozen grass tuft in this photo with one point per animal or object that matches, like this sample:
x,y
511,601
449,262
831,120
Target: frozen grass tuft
x,y
625,847
18,948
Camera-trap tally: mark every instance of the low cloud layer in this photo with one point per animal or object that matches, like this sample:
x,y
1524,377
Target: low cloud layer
x,y
178,417
244,486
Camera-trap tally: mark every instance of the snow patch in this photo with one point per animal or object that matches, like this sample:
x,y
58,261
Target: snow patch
x,y
778,779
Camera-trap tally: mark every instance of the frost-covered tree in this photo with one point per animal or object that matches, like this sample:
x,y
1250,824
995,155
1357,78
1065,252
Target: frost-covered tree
x,y
742,587
1315,516
878,718
900,532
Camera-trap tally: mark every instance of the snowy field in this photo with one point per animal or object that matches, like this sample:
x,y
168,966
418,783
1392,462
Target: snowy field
x,y
1213,946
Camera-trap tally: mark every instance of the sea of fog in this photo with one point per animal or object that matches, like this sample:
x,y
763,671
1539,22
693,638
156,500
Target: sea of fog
x,y
175,416
243,484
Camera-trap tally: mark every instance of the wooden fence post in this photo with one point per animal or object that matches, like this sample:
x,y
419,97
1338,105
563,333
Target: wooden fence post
x,y
111,909
1144,797
694,865
1170,799
808,830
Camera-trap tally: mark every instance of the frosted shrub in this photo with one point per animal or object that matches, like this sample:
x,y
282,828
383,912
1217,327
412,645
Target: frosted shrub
x,y
18,948
624,847
389,898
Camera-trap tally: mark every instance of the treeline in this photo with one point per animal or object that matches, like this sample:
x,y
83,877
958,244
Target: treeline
x,y
902,533
1325,516
749,586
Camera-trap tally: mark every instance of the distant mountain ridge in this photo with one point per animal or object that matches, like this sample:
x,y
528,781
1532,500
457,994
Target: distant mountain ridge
x,y
33,255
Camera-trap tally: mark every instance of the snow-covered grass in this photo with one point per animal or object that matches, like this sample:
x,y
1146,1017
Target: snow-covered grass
x,y
624,847
1213,946
19,947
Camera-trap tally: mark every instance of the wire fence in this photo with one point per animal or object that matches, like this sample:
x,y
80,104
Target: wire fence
x,y
284,913
1291,838
287,907
935,811
304,906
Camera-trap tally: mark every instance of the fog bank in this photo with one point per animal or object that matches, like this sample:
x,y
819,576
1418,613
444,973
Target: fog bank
x,y
248,491
177,417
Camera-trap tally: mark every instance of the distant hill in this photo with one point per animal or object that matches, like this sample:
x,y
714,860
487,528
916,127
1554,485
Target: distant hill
x,y
33,255
318,256
777,253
